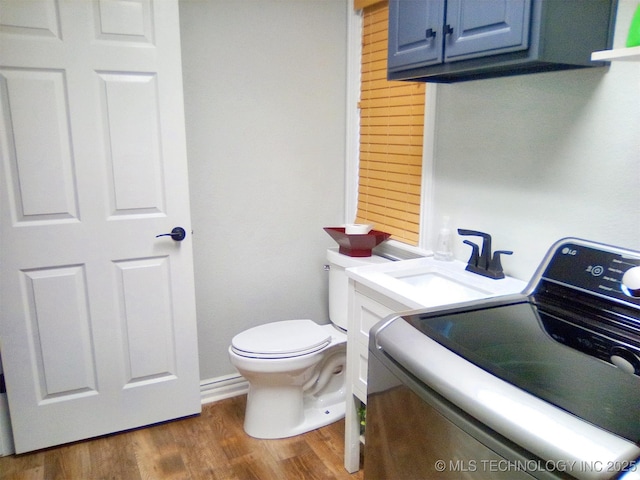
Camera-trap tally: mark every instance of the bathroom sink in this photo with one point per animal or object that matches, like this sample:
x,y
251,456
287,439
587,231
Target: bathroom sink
x,y
427,282
441,284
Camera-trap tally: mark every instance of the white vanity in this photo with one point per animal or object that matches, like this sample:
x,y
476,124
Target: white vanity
x,y
377,291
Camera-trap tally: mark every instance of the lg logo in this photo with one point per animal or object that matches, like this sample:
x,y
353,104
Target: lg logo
x,y
569,251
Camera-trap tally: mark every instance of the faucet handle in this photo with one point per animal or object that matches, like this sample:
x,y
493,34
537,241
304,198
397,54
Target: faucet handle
x,y
475,233
495,268
475,253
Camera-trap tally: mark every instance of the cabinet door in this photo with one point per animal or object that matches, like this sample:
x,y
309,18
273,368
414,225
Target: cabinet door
x,y
486,27
368,308
415,33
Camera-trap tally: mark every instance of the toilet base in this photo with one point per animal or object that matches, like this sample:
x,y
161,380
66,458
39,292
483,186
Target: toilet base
x,y
321,416
314,416
281,411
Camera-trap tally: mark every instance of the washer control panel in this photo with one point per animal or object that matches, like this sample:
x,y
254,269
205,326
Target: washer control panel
x,y
614,273
590,300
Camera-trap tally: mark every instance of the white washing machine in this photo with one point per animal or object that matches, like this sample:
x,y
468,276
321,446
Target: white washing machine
x,y
543,384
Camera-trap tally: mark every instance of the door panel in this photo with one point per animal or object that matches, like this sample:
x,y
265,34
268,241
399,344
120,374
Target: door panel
x,y
130,18
58,316
31,18
130,109
97,320
39,191
149,343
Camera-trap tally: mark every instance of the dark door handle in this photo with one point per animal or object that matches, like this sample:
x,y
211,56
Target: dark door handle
x,y
178,234
430,33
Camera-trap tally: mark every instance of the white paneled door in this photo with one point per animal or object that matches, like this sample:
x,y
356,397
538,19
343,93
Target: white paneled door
x,y
97,325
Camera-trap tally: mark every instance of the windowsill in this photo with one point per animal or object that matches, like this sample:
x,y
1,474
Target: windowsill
x,y
395,250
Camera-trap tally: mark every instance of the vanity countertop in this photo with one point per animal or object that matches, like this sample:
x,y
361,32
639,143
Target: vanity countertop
x,y
427,282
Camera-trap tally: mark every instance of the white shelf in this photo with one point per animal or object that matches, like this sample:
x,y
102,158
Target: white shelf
x,y
628,54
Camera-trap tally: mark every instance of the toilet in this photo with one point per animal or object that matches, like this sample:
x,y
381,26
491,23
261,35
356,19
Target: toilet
x,y
296,369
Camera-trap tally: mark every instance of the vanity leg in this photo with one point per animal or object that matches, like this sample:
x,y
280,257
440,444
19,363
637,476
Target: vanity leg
x,y
352,433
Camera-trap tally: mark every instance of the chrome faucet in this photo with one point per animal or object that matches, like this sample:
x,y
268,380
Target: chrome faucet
x,y
481,262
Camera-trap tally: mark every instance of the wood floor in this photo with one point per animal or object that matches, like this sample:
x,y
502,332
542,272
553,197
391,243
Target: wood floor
x,y
212,445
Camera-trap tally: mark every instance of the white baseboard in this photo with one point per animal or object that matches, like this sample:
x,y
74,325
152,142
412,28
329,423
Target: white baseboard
x,y
219,388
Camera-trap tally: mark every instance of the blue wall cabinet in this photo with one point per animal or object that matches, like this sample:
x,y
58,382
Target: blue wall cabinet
x,y
458,40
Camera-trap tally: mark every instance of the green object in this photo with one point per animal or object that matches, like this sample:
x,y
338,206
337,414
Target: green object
x,y
633,39
362,414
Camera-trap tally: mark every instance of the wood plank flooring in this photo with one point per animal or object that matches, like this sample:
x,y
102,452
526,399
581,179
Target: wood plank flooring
x,y
212,445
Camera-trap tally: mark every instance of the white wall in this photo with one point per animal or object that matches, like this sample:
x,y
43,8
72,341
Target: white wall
x,y
529,159
265,104
535,158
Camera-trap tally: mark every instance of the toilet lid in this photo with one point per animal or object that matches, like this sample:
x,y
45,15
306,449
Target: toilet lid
x,y
287,338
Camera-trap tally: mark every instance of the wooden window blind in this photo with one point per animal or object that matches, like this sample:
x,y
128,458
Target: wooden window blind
x,y
391,137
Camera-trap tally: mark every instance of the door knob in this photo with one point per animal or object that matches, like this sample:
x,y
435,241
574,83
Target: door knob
x,y
178,234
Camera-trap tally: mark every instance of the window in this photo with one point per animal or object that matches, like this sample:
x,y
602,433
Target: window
x,y
391,138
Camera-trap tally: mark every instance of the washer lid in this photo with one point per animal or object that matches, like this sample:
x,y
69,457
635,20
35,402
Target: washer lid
x,y
287,338
527,344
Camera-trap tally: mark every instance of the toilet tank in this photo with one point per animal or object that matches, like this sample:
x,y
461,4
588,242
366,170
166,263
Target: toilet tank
x,y
339,282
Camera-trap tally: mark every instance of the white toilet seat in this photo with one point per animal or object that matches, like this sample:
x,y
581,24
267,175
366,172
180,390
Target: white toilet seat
x,y
284,339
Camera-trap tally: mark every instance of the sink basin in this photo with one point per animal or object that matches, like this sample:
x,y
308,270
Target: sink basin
x,y
441,284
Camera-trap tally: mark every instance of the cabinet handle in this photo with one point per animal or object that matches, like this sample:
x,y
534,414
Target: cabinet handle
x,y
430,33
448,30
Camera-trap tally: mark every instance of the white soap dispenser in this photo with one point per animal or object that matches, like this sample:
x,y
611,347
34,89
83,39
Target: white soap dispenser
x,y
443,250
